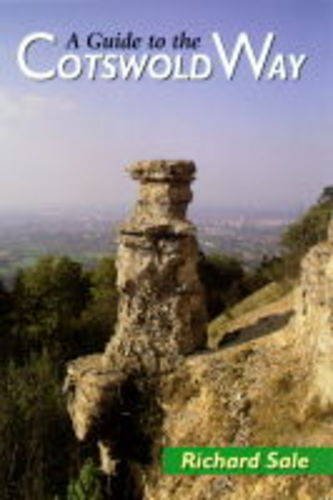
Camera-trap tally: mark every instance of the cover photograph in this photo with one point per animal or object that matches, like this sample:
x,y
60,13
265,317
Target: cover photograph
x,y
166,250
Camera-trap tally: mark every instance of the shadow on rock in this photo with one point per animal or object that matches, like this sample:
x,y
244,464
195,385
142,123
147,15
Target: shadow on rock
x,y
264,326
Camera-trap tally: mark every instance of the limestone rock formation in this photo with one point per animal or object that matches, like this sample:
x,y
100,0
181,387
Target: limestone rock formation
x,y
314,319
144,393
161,312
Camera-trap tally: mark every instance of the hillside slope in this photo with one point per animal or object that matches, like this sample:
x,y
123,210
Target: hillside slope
x,y
248,392
267,302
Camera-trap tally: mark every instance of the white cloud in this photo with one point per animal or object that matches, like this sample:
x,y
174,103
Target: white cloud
x,y
19,107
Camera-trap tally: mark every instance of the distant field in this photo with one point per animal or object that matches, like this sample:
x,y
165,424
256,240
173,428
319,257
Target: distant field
x,y
88,235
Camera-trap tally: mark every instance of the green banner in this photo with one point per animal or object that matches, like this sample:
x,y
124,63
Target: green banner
x,y
248,460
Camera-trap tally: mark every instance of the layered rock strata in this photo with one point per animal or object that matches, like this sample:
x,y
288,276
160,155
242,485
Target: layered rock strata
x,y
161,311
314,320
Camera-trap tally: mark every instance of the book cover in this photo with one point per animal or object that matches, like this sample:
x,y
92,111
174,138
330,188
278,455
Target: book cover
x,y
166,250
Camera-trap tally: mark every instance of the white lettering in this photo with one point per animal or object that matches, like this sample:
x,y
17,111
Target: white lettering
x,y
22,56
243,44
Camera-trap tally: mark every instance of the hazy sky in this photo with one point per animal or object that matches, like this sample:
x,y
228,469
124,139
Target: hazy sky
x,y
256,144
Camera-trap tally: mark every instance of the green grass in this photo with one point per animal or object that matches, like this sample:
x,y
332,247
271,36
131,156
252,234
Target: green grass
x,y
266,295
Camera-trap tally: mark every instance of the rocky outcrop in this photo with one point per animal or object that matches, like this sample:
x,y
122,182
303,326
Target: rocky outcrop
x,y
144,392
314,321
161,314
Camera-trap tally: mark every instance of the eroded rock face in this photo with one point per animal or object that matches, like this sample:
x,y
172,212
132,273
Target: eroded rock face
x,y
314,319
161,312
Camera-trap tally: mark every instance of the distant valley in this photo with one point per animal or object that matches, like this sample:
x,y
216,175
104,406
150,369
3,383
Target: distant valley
x,y
91,233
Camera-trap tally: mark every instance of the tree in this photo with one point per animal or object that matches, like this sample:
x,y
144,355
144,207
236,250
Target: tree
x,y
36,439
307,231
6,322
101,314
326,195
49,299
56,312
88,485
222,277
